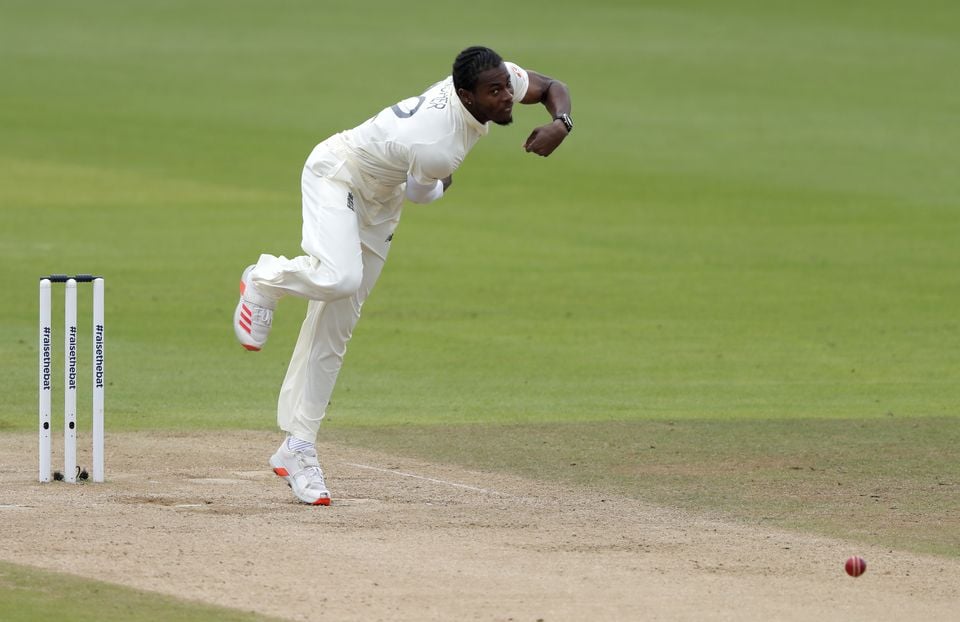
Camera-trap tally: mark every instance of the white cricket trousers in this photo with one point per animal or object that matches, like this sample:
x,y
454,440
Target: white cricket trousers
x,y
343,261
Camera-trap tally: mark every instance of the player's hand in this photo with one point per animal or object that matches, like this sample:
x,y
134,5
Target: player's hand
x,y
544,139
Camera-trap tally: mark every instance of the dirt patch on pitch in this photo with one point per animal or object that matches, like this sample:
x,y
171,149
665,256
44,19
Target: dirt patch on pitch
x,y
408,540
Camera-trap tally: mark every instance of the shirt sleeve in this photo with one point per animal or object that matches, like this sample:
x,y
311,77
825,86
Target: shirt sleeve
x,y
519,79
429,163
423,193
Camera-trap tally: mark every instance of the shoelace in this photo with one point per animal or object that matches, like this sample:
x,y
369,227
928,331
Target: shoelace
x,y
308,463
314,478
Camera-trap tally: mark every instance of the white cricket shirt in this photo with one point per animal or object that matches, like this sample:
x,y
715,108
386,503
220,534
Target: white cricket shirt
x,y
427,136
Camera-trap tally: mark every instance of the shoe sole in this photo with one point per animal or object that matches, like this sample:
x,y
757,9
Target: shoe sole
x,y
282,472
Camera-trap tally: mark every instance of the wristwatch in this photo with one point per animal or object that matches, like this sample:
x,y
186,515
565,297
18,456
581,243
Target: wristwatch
x,y
566,120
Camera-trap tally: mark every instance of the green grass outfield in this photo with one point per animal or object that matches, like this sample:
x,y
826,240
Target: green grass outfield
x,y
733,289
28,595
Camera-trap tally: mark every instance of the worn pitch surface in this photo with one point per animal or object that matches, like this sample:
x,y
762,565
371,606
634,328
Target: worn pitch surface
x,y
410,540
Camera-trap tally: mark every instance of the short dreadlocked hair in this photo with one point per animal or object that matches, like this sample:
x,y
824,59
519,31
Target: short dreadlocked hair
x,y
470,63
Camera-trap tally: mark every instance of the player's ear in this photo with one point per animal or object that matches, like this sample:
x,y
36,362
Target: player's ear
x,y
465,96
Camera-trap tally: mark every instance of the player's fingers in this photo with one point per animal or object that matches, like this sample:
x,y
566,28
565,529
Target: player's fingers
x,y
531,141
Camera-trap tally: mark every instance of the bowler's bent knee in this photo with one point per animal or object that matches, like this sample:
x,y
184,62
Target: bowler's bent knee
x,y
347,283
328,282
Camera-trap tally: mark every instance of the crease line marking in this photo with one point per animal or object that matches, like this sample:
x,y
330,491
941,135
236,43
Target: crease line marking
x,y
428,479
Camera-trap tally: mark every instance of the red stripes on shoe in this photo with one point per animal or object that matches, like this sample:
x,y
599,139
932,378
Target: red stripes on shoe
x,y
282,472
322,501
245,317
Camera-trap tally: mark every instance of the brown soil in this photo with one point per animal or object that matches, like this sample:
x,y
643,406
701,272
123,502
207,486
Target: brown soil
x,y
409,540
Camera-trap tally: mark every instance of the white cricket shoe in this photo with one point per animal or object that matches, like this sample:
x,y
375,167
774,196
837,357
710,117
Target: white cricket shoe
x,y
253,316
302,471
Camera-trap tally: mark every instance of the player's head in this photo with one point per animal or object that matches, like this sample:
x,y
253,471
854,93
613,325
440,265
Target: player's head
x,y
483,85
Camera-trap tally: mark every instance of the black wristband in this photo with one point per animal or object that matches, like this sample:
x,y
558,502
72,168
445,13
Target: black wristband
x,y
566,120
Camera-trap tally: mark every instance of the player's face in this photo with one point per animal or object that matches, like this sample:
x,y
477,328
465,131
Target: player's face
x,y
494,96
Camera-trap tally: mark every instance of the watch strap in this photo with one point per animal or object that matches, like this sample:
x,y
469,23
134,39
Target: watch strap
x,y
566,120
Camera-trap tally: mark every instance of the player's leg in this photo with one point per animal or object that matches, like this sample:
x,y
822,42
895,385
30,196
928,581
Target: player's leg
x,y
331,270
332,267
310,380
318,356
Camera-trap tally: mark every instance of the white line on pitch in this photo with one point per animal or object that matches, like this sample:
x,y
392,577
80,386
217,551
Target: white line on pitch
x,y
429,479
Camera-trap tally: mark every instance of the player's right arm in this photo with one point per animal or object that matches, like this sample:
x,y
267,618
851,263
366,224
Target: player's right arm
x,y
427,193
555,97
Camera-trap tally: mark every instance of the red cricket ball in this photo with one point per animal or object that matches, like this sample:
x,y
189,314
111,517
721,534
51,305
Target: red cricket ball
x,y
855,566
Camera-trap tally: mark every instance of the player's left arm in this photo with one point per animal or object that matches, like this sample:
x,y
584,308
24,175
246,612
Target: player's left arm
x,y
555,97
